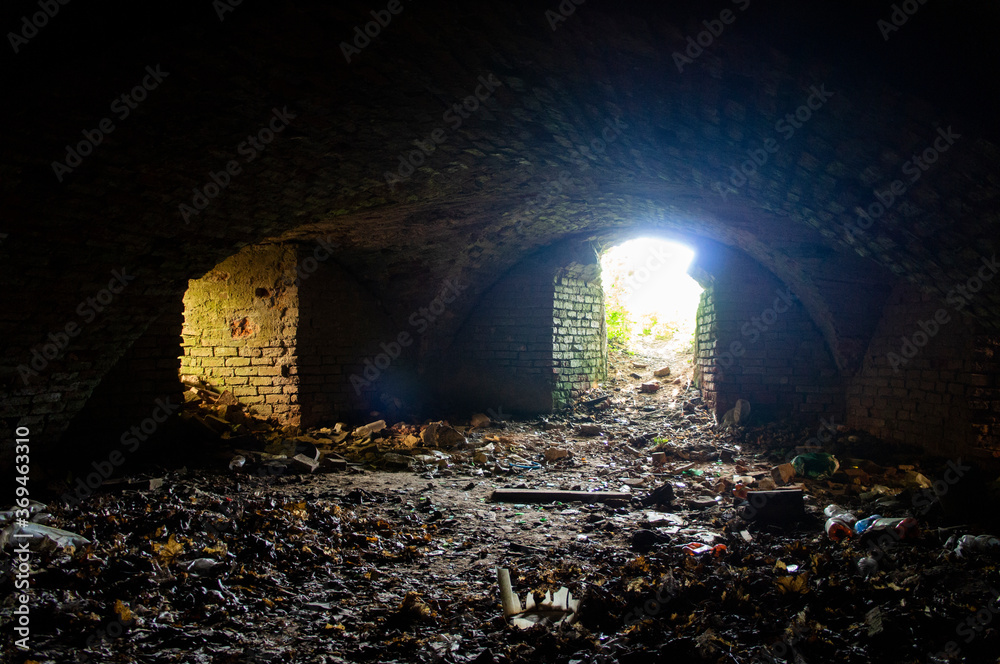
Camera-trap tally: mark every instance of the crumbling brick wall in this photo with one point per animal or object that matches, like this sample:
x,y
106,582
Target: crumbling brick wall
x,y
240,324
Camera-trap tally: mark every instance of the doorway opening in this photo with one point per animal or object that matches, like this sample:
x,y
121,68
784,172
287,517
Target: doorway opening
x,y
651,303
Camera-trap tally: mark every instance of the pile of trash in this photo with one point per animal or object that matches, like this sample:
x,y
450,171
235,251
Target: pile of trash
x,y
478,446
264,447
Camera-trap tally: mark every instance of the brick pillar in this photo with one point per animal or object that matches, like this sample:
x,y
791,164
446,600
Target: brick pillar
x,y
240,327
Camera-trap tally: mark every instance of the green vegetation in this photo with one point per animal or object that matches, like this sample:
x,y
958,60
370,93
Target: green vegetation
x,y
618,325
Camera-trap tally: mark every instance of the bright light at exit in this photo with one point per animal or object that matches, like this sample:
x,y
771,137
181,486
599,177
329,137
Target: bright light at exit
x,y
648,291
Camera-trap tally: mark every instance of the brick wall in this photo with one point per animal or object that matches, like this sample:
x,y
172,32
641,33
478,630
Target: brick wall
x,y
341,331
757,342
704,345
579,337
503,352
945,397
240,323
534,340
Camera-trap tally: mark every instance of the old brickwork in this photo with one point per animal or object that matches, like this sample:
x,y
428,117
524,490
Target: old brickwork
x,y
756,342
485,198
940,392
704,345
240,324
501,358
579,338
535,339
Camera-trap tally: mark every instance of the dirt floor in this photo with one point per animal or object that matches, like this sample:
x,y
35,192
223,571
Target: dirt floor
x,y
395,558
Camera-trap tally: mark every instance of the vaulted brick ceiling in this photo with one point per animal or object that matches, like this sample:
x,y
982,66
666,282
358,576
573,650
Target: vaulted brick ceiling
x,y
467,210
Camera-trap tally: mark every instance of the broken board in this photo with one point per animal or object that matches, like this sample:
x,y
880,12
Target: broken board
x,y
548,496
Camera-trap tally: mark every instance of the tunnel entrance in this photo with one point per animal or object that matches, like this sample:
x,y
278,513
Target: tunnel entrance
x,y
651,303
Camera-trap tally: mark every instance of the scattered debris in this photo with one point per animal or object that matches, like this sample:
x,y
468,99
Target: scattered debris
x,y
38,536
969,544
369,429
783,474
815,465
595,401
385,551
644,540
700,549
663,495
555,453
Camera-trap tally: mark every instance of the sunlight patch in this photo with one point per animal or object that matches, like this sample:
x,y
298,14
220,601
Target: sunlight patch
x,y
649,296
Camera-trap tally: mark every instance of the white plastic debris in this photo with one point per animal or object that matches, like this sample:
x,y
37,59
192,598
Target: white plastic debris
x,y
970,544
555,609
37,535
200,566
369,429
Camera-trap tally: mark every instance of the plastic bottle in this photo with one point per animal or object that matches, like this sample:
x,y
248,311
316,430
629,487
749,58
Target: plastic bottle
x,y
973,543
864,524
905,528
839,523
700,548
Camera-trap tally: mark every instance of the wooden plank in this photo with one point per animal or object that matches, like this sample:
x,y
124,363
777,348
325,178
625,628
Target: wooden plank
x,y
776,506
554,495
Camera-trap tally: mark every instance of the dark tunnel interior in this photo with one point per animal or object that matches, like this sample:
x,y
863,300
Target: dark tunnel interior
x,y
312,350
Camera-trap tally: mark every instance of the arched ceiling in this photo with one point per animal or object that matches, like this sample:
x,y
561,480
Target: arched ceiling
x,y
468,209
